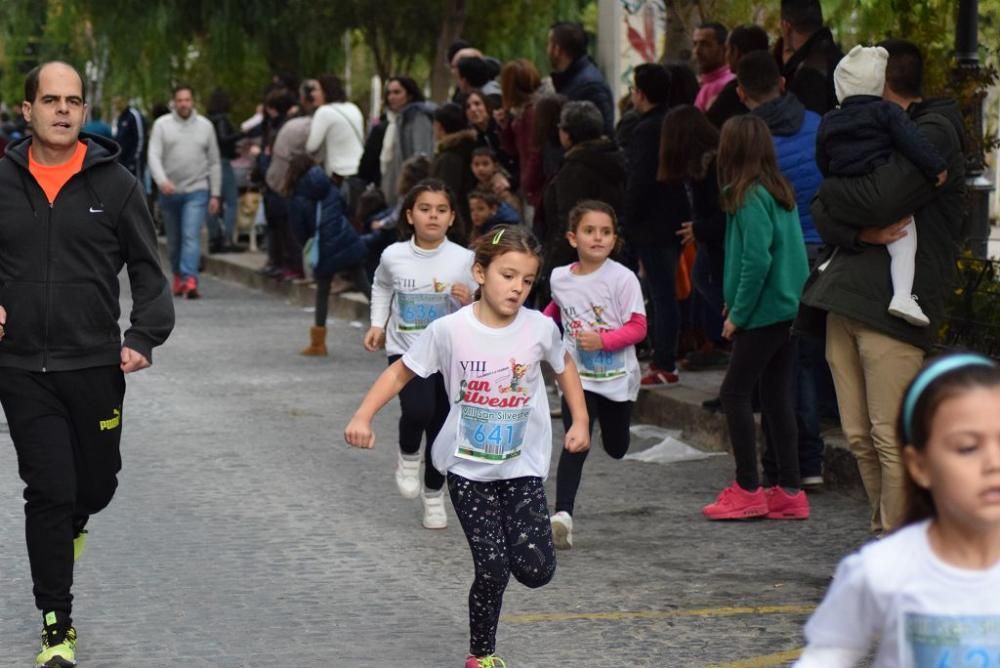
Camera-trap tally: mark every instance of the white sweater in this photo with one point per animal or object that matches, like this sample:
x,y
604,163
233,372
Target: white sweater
x,y
185,152
337,129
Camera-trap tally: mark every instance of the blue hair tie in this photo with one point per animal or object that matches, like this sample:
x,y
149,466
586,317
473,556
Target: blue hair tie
x,y
932,372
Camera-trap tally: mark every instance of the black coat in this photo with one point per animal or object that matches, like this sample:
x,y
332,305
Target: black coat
x,y
727,104
862,134
654,210
856,284
583,81
809,72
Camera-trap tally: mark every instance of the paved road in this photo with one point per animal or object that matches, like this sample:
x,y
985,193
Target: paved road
x,y
245,533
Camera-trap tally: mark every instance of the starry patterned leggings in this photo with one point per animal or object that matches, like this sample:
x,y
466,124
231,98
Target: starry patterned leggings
x,y
507,525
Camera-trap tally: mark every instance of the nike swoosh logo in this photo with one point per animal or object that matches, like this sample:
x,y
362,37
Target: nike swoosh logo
x,y
93,210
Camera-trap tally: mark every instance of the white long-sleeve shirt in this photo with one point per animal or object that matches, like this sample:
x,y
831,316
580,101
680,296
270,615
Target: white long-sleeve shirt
x,y
412,288
337,134
185,152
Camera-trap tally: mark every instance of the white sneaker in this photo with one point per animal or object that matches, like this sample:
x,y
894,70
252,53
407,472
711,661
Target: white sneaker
x,y
434,515
562,530
907,308
408,475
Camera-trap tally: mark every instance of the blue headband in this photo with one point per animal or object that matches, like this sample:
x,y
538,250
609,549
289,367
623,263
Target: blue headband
x,y
932,372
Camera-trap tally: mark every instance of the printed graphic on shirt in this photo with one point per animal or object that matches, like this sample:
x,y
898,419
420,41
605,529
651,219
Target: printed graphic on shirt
x,y
942,641
596,364
494,409
418,308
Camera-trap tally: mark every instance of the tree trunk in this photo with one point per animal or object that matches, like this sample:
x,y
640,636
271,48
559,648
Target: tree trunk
x,y
682,18
451,29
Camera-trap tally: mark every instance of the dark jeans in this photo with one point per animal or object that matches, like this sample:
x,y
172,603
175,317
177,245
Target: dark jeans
x,y
661,276
709,288
507,525
424,408
765,354
66,427
615,418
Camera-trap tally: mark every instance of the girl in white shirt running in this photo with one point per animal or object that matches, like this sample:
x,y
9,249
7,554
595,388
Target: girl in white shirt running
x,y
418,281
599,303
497,442
929,593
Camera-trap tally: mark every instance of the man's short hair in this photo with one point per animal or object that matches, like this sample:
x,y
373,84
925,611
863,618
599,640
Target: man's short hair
x,y
487,196
475,70
654,82
451,117
904,73
806,16
570,37
179,87
31,80
748,38
582,121
758,75
720,31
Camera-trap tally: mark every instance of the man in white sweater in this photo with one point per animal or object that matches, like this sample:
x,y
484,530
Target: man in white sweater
x,y
184,163
337,133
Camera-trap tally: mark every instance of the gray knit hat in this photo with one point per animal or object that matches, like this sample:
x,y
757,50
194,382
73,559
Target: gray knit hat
x,y
861,72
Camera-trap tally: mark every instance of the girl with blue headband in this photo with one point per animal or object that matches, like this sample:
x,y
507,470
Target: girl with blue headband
x,y
930,591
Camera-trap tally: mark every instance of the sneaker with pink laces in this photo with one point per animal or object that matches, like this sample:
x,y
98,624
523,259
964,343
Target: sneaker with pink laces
x,y
784,506
735,503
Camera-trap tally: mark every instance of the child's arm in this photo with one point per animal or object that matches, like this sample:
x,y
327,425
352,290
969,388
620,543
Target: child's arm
x,y
552,311
629,334
578,436
908,140
381,303
359,431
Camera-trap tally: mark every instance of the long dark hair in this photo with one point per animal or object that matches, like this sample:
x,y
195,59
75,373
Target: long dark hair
x,y
916,417
687,138
413,92
746,158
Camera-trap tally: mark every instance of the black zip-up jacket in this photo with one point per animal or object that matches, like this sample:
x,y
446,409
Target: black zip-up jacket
x,y
59,265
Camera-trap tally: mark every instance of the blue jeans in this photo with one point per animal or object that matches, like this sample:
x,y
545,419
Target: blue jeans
x,y
661,275
183,215
230,202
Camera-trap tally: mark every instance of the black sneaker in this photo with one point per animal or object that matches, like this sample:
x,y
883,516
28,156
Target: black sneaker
x,y
58,642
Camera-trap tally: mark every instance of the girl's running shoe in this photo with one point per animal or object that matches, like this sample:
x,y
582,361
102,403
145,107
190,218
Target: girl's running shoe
x,y
490,661
736,503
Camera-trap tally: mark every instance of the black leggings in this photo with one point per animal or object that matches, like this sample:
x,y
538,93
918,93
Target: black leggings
x,y
767,354
507,525
66,427
424,408
615,418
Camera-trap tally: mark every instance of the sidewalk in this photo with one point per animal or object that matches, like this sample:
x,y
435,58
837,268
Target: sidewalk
x,y
673,408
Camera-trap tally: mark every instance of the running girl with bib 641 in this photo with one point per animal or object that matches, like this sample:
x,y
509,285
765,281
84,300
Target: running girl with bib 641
x,y
497,441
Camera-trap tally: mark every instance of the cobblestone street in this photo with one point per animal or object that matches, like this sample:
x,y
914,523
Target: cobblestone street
x,y
245,533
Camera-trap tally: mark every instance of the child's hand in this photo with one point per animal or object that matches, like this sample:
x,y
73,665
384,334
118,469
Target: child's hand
x,y
500,184
359,433
941,178
577,438
686,233
461,292
374,339
589,341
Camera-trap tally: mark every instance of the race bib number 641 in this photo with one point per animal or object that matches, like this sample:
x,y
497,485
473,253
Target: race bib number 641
x,y
491,435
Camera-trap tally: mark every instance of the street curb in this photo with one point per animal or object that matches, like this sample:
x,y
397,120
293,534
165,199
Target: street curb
x,y
672,408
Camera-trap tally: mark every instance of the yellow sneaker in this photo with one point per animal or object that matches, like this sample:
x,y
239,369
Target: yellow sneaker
x,y
57,652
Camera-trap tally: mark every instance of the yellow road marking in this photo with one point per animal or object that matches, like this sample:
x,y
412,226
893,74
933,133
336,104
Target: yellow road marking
x,y
618,616
763,661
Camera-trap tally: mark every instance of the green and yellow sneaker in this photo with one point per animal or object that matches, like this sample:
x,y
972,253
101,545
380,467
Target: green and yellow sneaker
x,y
79,544
484,662
58,648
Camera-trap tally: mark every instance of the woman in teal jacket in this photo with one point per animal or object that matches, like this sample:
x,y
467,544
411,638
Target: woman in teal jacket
x,y
765,268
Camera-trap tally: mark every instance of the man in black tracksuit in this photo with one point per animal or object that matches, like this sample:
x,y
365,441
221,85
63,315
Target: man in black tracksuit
x,y
70,218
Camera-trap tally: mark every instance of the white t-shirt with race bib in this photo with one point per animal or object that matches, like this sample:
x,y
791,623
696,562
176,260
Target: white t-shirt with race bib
x,y
601,301
499,425
412,289
923,612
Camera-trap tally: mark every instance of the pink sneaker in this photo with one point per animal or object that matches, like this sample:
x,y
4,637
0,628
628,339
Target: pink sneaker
x,y
784,506
490,661
735,503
